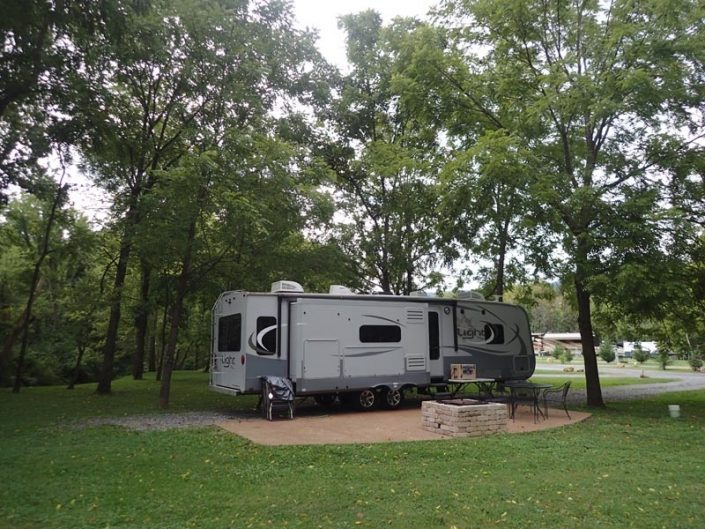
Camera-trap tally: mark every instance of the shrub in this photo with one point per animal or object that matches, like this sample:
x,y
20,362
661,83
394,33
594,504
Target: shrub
x,y
606,352
639,354
663,358
558,352
695,362
567,356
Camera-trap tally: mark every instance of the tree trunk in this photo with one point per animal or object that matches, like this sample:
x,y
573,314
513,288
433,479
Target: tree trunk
x,y
106,373
141,324
592,377
152,356
501,261
12,336
44,251
77,367
181,288
162,344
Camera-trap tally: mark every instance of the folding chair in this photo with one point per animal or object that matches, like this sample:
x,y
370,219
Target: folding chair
x,y
277,397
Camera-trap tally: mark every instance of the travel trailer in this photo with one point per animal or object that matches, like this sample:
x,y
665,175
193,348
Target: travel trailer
x,y
363,349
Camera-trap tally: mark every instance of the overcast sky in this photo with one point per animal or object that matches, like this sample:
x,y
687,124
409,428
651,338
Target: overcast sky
x,y
323,16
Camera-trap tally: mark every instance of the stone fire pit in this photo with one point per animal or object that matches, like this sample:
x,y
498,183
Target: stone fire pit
x,y
463,417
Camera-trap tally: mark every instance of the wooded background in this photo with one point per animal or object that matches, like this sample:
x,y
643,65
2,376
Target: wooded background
x,y
550,152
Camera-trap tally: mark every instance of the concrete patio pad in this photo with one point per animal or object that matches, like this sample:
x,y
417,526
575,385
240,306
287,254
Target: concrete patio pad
x,y
314,426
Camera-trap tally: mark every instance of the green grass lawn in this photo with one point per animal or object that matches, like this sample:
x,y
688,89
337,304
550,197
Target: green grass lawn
x,y
650,364
630,465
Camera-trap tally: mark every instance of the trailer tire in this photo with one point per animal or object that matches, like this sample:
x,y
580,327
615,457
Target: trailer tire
x,y
325,400
359,400
367,399
392,398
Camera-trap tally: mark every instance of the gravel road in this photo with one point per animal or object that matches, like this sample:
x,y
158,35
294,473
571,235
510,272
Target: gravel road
x,y
684,381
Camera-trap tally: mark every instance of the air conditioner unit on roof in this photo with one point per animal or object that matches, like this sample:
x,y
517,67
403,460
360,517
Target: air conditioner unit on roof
x,y
286,286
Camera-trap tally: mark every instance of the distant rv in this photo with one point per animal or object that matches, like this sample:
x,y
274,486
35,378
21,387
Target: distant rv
x,y
363,349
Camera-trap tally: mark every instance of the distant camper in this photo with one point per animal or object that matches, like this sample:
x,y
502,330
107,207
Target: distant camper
x,y
364,349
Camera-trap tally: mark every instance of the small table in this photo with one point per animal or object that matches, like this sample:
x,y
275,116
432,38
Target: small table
x,y
533,392
484,385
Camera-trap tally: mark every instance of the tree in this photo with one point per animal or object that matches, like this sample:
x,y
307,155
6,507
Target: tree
x,y
47,251
145,97
607,351
235,175
639,354
382,163
551,308
485,197
592,89
44,44
149,100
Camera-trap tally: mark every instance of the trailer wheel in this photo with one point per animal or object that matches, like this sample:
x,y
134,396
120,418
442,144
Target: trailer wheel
x,y
392,398
366,399
325,400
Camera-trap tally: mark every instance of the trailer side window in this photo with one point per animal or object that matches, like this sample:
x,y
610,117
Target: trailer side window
x,y
434,344
494,333
266,335
380,334
229,331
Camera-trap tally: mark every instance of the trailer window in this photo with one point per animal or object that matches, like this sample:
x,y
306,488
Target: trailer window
x,y
380,334
434,345
266,335
494,333
229,331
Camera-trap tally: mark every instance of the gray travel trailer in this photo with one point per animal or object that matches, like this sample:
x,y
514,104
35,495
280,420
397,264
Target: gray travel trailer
x,y
363,349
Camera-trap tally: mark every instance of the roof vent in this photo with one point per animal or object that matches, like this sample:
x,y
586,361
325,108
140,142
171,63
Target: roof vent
x,y
340,290
419,294
470,294
286,286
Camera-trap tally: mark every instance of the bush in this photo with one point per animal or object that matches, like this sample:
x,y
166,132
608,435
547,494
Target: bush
x,y
663,358
639,354
567,357
558,352
606,352
695,362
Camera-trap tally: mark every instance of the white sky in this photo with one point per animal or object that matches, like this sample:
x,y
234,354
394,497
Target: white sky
x,y
323,16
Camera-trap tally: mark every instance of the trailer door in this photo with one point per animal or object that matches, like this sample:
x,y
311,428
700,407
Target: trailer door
x,y
441,335
434,343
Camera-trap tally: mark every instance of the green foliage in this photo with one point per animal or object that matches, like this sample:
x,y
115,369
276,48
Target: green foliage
x,y
66,297
550,309
639,354
695,363
663,358
45,44
559,352
606,351
382,162
569,81
567,356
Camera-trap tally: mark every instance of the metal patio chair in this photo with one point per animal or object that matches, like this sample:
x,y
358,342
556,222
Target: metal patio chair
x,y
557,394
